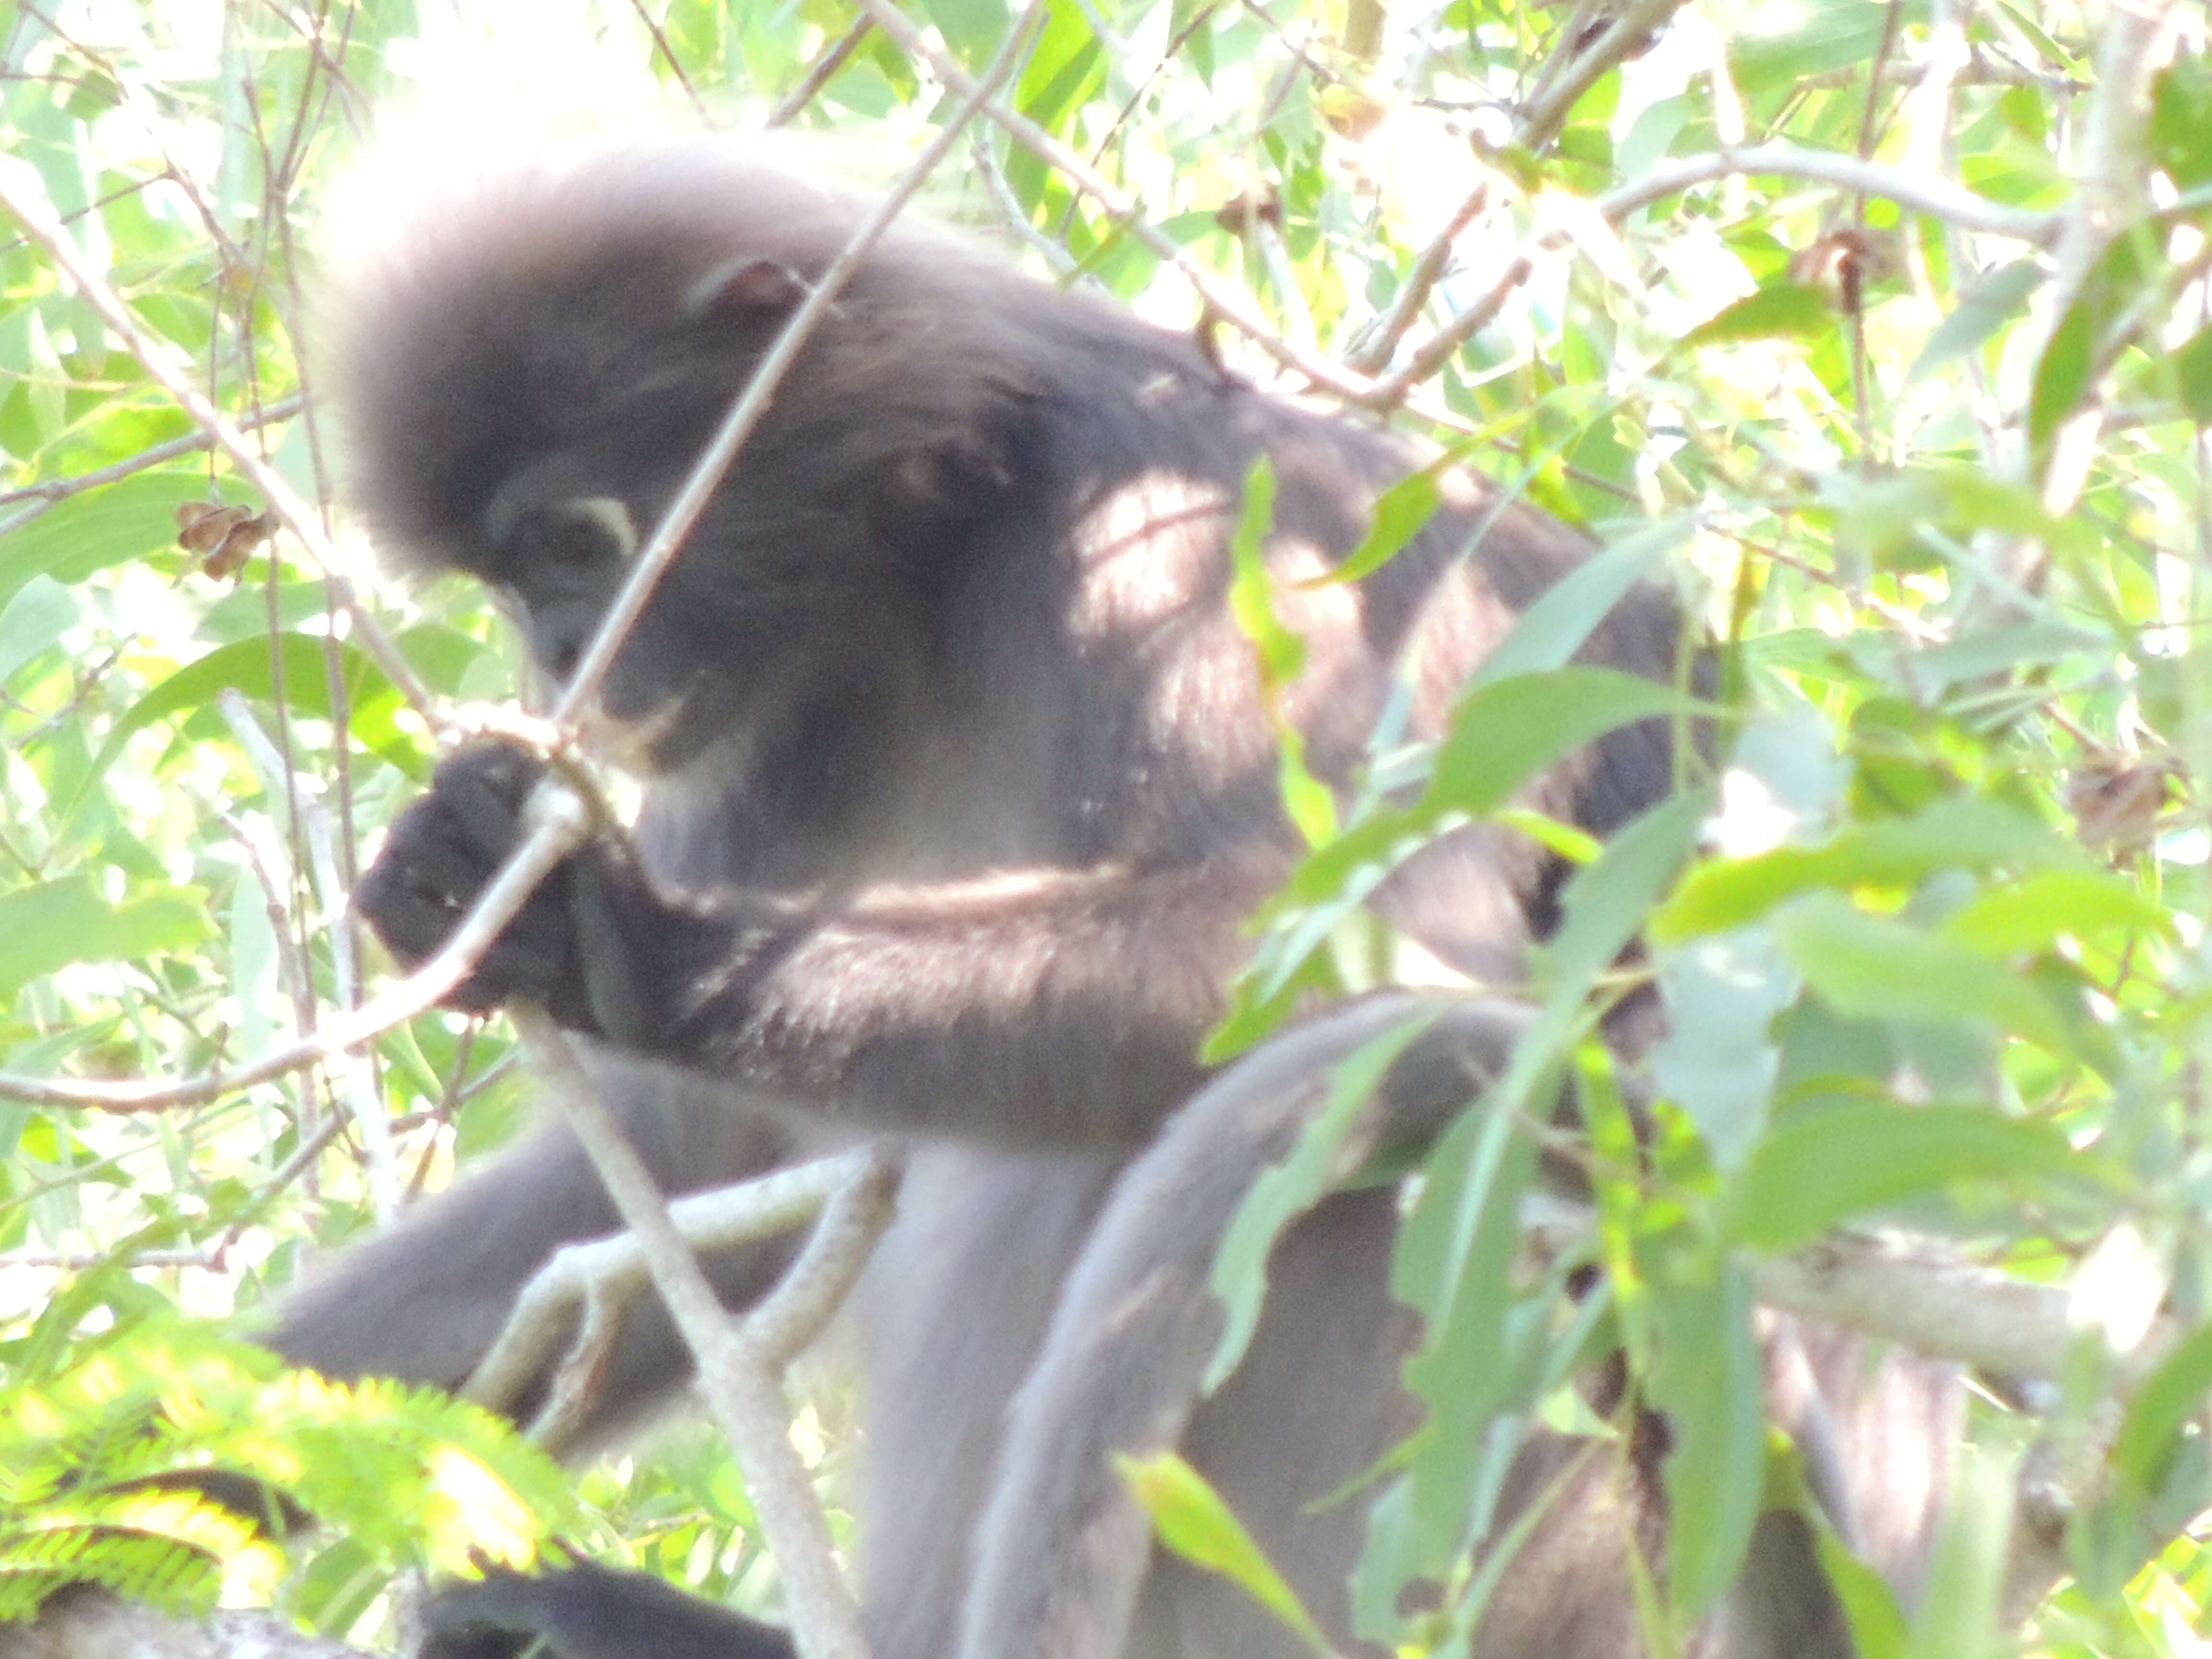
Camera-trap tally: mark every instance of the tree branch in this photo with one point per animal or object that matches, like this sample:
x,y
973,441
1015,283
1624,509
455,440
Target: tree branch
x,y
599,1277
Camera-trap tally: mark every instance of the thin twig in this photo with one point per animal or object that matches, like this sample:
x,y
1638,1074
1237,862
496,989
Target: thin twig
x,y
1374,357
2112,192
1547,110
1920,193
1231,306
745,1397
612,1271
667,54
1933,196
818,75
159,361
47,491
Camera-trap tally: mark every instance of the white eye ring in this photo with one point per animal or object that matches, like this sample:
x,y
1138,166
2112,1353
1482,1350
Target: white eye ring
x,y
611,514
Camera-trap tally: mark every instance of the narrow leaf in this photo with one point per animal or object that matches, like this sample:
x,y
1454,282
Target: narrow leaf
x,y
1813,1174
1192,1521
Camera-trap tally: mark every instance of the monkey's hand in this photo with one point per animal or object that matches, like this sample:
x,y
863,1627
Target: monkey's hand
x,y
571,945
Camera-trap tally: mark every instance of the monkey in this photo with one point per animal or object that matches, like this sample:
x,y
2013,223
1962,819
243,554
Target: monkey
x,y
959,781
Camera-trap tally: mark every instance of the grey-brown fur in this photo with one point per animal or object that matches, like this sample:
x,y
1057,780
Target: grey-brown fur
x,y
961,782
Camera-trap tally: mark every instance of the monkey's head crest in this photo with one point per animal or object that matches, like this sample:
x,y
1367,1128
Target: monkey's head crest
x,y
590,321
525,369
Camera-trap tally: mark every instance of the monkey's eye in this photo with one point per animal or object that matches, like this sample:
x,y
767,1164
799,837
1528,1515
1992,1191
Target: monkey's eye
x,y
588,530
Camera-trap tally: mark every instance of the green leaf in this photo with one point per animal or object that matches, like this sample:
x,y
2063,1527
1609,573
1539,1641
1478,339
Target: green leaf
x,y
1283,1193
1507,731
973,29
1251,588
1782,310
2181,120
1878,1629
33,621
117,525
2192,368
1550,631
2031,914
2062,374
1957,1617
1867,967
2109,290
1501,736
2002,649
52,924
1065,66
1710,1382
1307,801
1400,511
1883,519
1454,1266
1777,46
1719,1061
1813,1174
2168,1399
252,667
1192,1521
1961,833
1604,904
1993,300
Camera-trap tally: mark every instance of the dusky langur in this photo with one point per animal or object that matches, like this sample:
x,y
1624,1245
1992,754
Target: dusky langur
x,y
959,781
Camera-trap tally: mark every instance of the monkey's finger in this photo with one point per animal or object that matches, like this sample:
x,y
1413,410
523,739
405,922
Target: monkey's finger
x,y
431,864
474,801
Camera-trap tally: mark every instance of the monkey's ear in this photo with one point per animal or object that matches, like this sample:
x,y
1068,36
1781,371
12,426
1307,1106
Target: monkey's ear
x,y
748,287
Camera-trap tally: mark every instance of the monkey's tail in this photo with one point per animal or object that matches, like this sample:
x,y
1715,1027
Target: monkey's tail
x,y
1062,1553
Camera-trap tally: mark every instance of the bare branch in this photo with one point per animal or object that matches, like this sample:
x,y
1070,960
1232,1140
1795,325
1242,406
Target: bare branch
x,y
1928,194
1374,357
91,1626
1571,73
794,1314
612,1270
1927,1300
1920,1295
2112,192
48,491
745,1396
818,75
1919,192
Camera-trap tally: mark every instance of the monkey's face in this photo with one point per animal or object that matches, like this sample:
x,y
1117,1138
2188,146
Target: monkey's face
x,y
558,543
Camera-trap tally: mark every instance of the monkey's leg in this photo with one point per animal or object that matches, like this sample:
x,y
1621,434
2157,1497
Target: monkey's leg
x,y
423,1300
952,1310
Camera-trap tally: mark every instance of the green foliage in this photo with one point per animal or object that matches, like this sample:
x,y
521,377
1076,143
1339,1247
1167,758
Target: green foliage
x,y
170,1467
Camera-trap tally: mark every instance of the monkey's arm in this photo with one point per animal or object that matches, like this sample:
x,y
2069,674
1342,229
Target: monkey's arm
x,y
1058,1009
